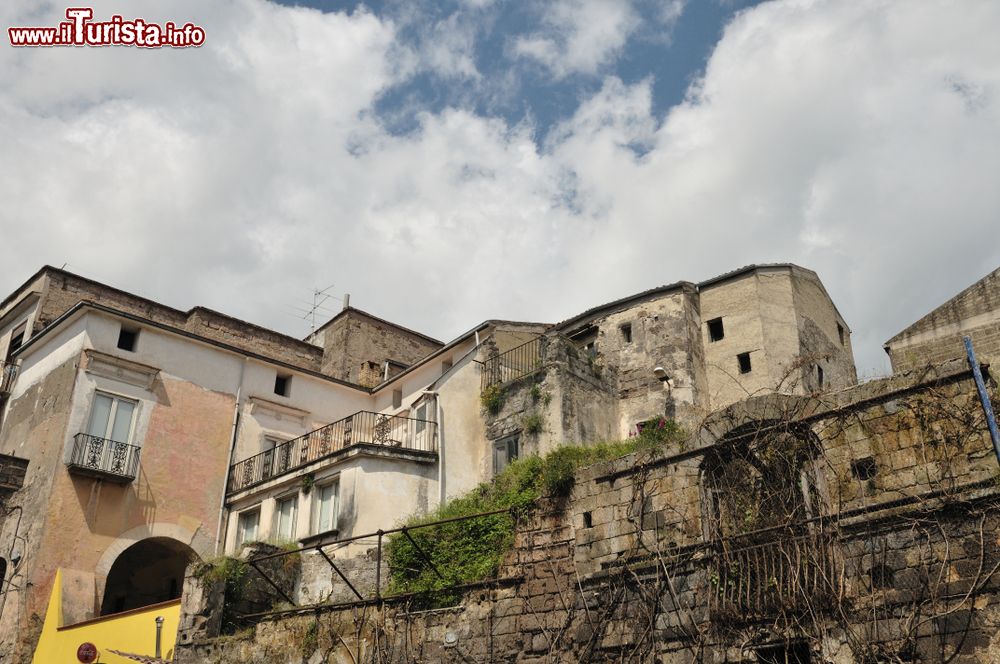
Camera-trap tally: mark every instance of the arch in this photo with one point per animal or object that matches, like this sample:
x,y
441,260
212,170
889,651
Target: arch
x,y
759,476
159,529
147,572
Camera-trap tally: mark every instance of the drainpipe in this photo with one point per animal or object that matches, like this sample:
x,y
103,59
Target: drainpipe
x,y
984,396
159,633
232,453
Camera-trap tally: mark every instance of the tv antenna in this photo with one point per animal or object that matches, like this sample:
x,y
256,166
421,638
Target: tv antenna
x,y
319,298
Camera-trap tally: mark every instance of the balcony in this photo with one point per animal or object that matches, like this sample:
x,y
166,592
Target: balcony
x,y
500,368
361,428
8,372
12,471
752,580
104,459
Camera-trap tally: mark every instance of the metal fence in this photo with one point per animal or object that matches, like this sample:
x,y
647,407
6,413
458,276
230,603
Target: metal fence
x,y
754,579
376,593
103,458
363,427
515,363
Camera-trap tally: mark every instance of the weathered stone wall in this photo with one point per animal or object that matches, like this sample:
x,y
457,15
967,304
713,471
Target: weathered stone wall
x,y
899,562
353,339
937,337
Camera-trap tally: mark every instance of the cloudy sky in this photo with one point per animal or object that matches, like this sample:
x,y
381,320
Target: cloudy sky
x,y
447,162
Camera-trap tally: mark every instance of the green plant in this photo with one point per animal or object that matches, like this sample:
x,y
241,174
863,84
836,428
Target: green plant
x,y
310,640
233,573
307,483
493,398
657,432
472,550
533,424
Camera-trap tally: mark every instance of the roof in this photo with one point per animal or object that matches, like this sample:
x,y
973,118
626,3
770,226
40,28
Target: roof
x,y
980,298
352,310
622,302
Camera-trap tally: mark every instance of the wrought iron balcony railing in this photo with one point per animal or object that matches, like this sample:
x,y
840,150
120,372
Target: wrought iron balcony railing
x,y
363,427
8,372
104,459
749,580
515,363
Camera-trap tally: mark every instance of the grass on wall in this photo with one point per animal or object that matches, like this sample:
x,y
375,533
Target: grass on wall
x,y
472,550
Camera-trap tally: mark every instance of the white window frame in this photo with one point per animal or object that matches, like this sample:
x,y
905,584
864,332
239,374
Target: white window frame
x,y
317,527
109,425
292,498
241,531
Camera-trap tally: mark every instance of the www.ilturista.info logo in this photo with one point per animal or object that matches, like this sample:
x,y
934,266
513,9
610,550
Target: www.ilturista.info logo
x,y
79,30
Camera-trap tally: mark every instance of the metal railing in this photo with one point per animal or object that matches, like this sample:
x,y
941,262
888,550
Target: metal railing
x,y
8,372
104,459
376,593
515,363
757,579
363,427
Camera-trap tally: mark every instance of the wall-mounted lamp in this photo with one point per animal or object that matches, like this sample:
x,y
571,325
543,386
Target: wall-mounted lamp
x,y
661,374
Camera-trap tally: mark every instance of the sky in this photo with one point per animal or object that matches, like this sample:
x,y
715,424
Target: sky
x,y
447,162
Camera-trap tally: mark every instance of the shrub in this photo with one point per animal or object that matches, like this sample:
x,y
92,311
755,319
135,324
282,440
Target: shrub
x,y
533,423
472,550
493,398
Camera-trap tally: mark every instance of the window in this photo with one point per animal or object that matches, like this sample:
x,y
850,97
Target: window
x,y
819,375
744,360
127,338
421,417
626,331
284,517
716,332
325,508
17,338
792,653
504,451
246,526
840,333
111,418
282,384
864,469
397,398
3,571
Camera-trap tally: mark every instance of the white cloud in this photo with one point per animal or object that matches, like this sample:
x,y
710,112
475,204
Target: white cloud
x,y
579,36
858,139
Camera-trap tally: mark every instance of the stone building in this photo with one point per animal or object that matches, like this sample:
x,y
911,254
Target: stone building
x,y
975,312
850,527
135,436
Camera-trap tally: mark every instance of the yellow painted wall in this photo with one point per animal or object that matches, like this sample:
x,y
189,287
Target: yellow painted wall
x,y
132,632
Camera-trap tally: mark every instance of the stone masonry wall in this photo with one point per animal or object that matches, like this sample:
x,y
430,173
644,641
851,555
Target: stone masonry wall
x,y
896,560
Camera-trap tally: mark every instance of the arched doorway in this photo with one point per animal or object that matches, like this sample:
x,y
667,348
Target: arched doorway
x,y
149,571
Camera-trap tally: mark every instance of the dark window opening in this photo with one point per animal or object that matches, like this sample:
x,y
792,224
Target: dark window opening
x,y
840,333
397,398
626,330
864,469
716,332
3,571
882,576
282,384
127,338
588,521
17,338
791,653
819,375
744,360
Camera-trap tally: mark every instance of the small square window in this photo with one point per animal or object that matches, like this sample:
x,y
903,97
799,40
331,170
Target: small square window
x,y
127,338
864,469
626,331
716,331
744,360
282,384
